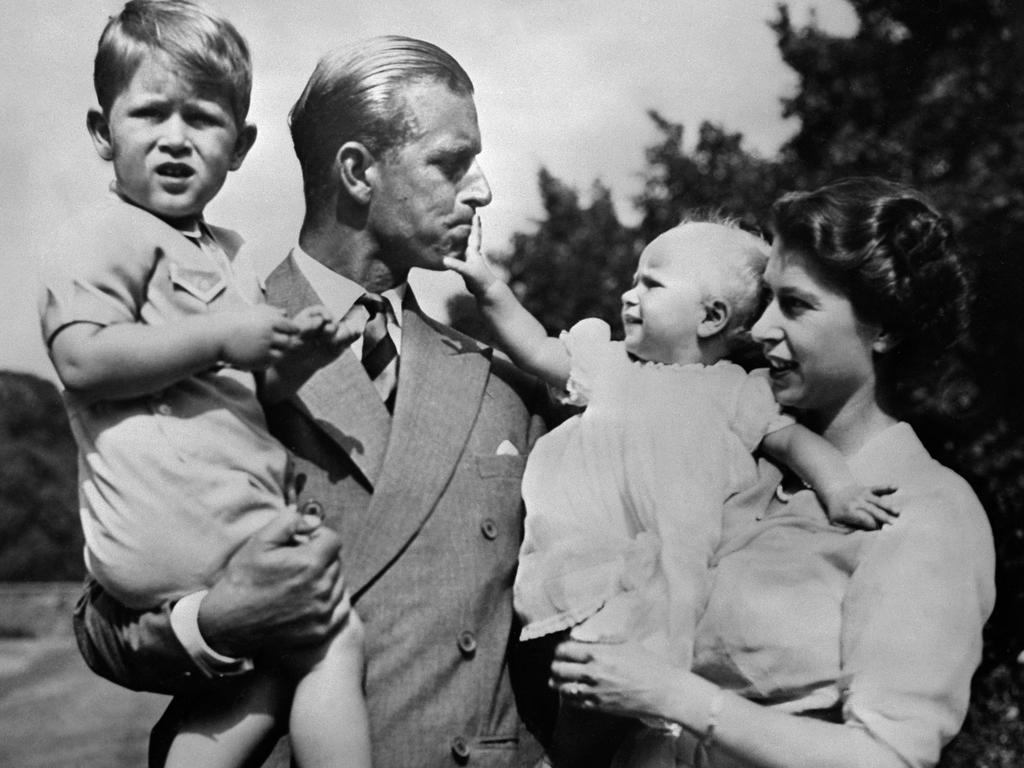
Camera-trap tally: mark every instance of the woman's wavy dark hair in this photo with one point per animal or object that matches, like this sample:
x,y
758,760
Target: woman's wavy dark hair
x,y
896,258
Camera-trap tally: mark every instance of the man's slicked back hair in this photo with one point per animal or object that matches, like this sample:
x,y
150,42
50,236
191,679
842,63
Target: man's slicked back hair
x,y
354,94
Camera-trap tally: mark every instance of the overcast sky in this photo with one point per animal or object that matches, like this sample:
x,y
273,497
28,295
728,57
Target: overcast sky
x,y
559,83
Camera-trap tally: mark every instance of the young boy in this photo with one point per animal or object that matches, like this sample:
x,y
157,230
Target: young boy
x,y
154,327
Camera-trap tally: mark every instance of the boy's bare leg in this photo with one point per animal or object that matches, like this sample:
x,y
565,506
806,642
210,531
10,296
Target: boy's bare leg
x,y
234,727
328,723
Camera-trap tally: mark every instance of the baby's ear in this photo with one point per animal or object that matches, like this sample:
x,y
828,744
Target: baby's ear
x,y
99,130
717,314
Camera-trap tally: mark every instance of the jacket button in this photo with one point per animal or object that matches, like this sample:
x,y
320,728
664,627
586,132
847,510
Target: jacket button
x,y
467,643
312,507
489,529
460,749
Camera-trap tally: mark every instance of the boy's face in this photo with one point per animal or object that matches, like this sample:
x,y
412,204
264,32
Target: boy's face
x,y
172,144
663,309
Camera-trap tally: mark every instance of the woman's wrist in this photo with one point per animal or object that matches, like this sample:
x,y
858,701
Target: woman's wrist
x,y
694,703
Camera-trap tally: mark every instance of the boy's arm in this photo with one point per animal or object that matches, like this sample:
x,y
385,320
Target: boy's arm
x,y
825,470
518,333
125,360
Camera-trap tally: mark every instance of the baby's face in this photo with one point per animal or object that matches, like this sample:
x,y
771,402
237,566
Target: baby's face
x,y
661,312
172,143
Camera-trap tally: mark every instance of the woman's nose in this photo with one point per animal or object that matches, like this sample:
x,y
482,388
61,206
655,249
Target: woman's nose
x,y
629,297
766,328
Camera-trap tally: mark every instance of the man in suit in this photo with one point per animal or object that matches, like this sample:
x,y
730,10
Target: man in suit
x,y
411,444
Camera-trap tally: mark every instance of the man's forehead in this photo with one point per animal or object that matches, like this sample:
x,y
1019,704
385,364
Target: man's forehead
x,y
437,114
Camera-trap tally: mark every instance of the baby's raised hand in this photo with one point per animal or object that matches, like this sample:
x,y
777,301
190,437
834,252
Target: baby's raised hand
x,y
859,506
255,337
473,265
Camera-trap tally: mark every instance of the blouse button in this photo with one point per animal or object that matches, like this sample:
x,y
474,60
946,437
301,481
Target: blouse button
x,y
163,409
489,529
460,749
467,643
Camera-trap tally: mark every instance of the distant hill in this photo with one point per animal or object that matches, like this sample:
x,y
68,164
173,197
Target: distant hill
x,y
40,536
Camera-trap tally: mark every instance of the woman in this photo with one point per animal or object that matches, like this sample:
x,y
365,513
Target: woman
x,y
822,646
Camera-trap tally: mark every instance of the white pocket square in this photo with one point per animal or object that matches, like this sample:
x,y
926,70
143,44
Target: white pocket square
x,y
506,449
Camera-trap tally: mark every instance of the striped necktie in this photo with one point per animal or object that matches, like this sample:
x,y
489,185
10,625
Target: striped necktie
x,y
380,356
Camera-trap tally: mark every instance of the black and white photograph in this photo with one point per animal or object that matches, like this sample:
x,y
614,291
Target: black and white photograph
x,y
517,384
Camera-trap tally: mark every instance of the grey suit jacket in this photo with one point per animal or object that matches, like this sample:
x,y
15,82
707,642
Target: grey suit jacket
x,y
430,518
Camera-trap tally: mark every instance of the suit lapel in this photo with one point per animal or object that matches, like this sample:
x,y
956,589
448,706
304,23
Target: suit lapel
x,y
339,398
441,382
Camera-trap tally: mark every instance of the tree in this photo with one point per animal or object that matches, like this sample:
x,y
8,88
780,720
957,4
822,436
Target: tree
x,y
40,536
578,262
718,175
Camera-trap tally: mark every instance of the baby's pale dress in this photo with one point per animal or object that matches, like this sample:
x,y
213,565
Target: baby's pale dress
x,y
624,501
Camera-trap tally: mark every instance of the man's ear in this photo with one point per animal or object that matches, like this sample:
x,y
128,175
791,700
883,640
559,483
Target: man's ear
x,y
717,314
355,165
246,138
99,130
885,341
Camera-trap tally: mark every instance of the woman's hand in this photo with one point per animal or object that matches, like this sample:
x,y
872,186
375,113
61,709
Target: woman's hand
x,y
621,678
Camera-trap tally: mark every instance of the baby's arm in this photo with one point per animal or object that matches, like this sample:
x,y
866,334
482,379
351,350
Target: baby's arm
x,y
125,360
519,334
824,468
320,340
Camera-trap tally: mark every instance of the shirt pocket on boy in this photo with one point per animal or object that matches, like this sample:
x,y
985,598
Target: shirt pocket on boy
x,y
195,288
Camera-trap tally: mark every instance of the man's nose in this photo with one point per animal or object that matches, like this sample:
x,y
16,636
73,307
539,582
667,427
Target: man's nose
x,y
629,296
475,190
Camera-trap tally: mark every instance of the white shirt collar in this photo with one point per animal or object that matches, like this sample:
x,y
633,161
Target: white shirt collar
x,y
339,294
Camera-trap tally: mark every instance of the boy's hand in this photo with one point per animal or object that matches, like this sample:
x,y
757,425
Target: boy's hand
x,y
858,506
321,338
255,337
473,266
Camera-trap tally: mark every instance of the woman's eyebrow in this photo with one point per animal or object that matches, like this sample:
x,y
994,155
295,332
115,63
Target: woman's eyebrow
x,y
796,292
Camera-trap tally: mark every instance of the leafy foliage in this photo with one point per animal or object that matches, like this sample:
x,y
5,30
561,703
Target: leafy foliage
x,y
40,536
719,175
578,262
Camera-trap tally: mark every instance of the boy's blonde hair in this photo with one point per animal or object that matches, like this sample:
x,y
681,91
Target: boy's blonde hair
x,y
204,46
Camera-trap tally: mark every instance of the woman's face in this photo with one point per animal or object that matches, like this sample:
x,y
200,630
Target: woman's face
x,y
819,352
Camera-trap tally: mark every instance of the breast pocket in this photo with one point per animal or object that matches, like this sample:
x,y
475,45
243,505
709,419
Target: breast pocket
x,y
204,285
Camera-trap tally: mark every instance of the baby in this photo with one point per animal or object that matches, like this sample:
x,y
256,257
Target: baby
x,y
154,325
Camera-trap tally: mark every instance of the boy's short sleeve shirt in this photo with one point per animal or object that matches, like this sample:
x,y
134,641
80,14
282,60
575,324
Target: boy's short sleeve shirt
x,y
122,264
189,470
